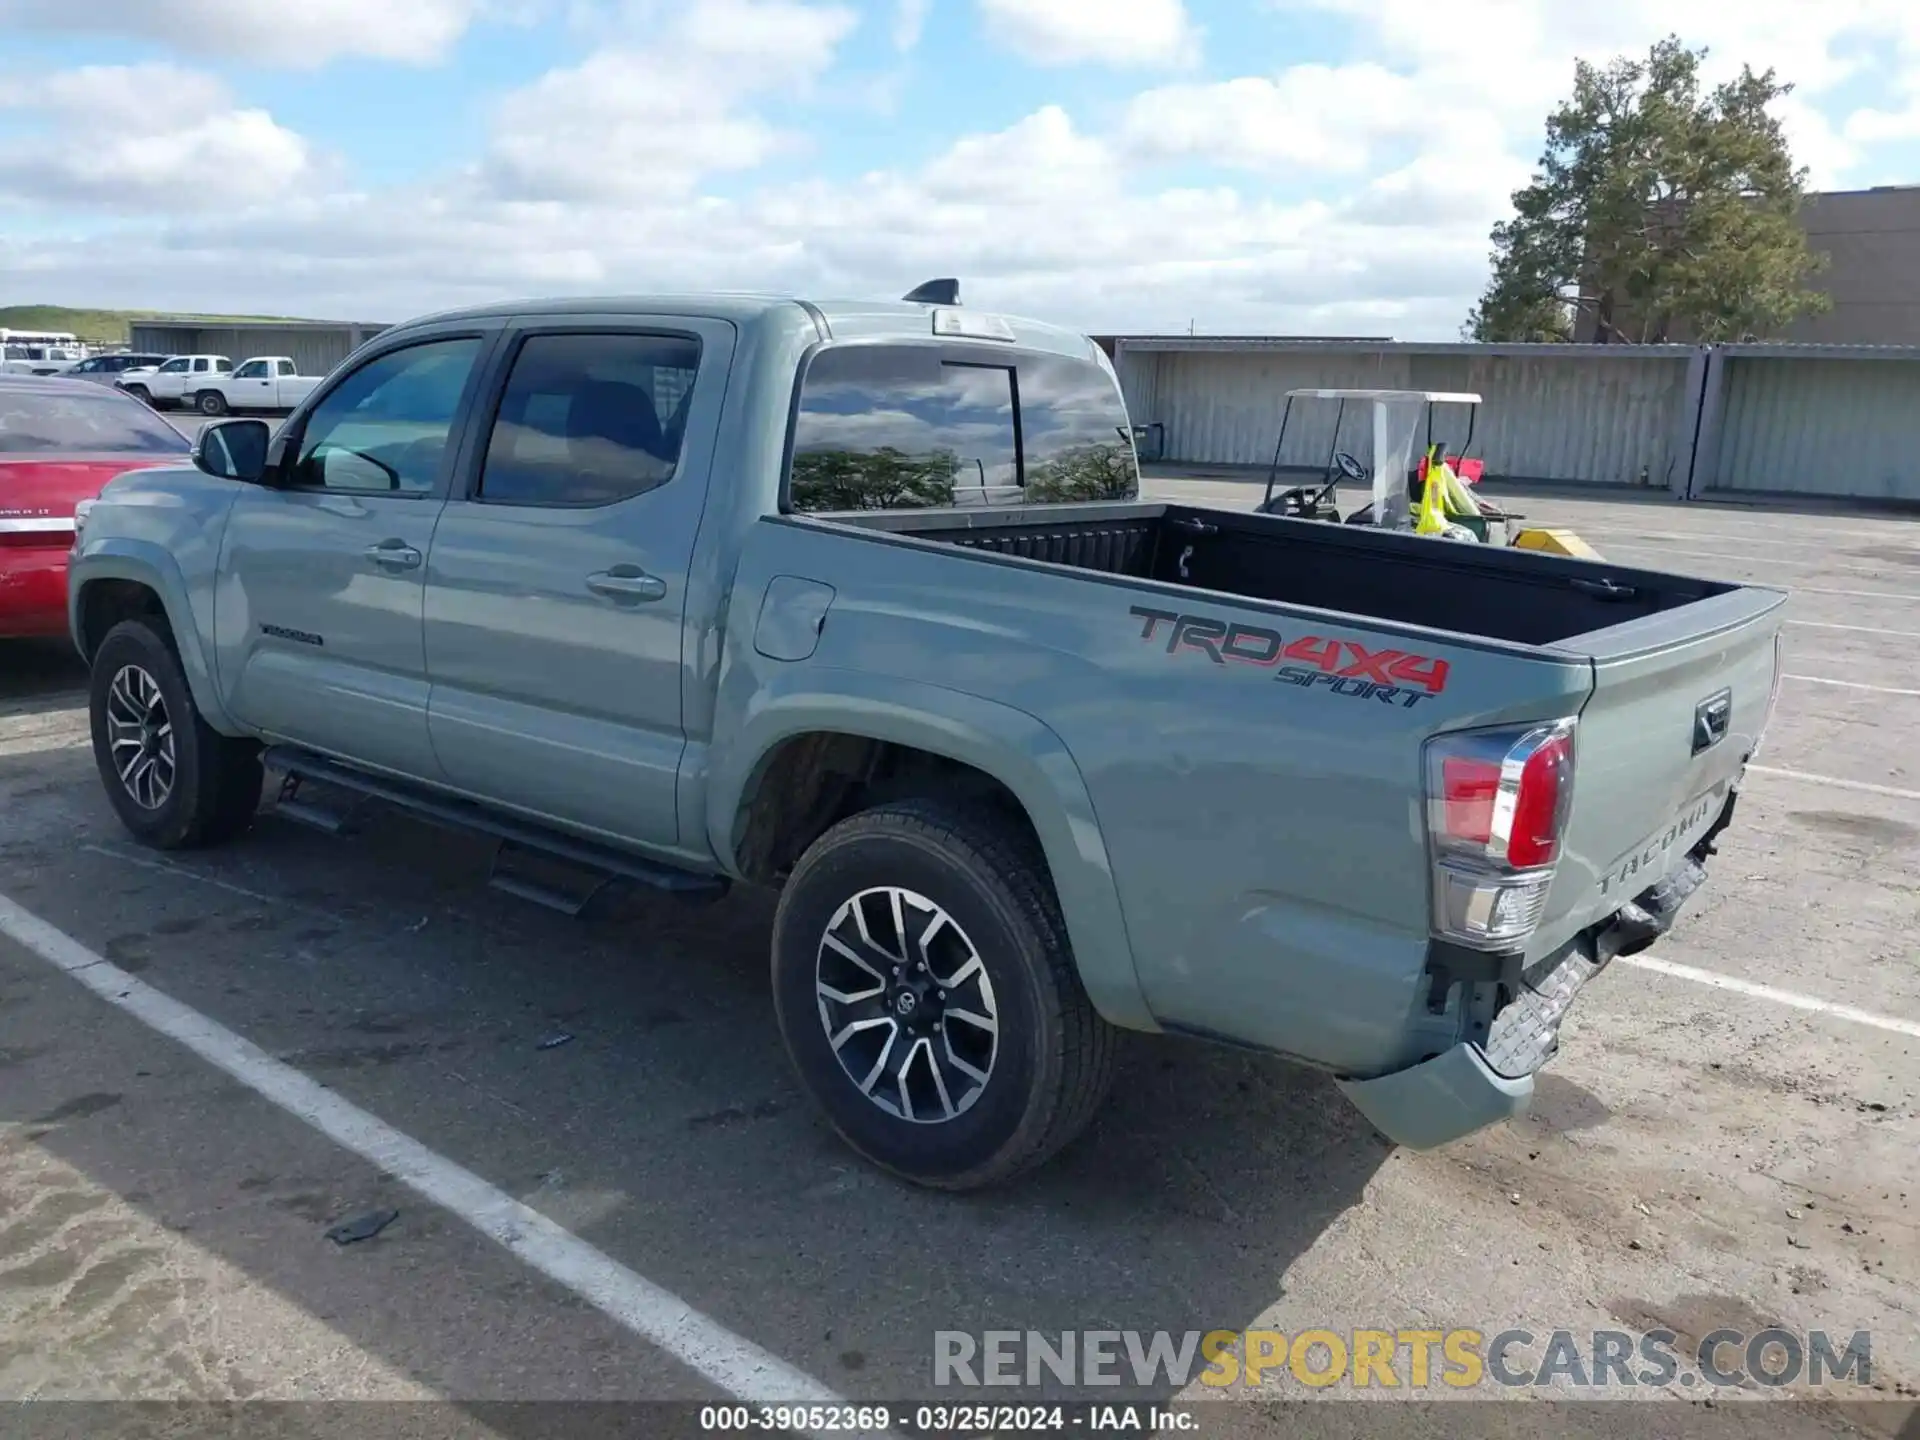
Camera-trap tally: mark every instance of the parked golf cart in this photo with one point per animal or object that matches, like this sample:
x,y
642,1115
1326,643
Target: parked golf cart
x,y
1400,485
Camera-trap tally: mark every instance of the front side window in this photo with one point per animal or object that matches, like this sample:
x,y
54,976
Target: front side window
x,y
174,367
252,370
900,427
590,419
1073,423
385,427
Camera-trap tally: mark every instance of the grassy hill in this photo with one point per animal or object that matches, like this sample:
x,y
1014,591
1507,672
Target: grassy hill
x,y
97,327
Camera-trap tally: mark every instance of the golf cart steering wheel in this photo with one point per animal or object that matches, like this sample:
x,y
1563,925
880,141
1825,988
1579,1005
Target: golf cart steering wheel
x,y
1348,466
1300,501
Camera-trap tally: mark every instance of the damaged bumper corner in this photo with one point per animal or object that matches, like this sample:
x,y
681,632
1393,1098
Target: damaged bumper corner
x,y
1440,1100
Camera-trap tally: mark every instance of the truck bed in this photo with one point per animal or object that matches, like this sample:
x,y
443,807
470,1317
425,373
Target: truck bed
x,y
1491,592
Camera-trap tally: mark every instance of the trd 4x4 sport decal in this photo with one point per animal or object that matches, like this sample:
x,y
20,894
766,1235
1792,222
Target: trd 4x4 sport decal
x,y
1345,667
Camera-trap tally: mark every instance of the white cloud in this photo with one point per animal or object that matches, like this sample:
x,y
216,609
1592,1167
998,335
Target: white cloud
x,y
656,114
296,33
987,208
144,137
1515,58
1110,32
599,176
909,22
1312,116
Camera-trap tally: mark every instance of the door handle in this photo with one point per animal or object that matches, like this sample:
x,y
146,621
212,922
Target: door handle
x,y
627,585
394,555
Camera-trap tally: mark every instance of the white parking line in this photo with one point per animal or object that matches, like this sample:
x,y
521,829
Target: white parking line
x,y
163,867
1709,536
1856,629
1791,998
1752,561
1865,786
1852,684
1854,594
730,1361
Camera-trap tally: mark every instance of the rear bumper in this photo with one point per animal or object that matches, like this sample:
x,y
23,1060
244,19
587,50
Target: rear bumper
x,y
1482,1082
33,593
1439,1100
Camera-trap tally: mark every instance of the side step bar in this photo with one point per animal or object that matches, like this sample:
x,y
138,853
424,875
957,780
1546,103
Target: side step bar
x,y
603,862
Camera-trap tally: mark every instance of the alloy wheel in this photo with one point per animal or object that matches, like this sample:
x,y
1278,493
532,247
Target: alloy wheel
x,y
140,737
907,1005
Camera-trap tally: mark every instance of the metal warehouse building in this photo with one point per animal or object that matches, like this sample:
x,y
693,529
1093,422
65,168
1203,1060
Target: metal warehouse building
x,y
316,346
1826,420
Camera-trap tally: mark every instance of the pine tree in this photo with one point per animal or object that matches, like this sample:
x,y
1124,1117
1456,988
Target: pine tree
x,y
1658,213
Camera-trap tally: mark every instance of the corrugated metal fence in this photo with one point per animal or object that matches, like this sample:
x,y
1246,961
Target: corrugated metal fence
x,y
315,348
1839,421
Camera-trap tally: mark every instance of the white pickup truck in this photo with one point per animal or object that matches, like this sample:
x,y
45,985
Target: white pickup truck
x,y
176,381
264,382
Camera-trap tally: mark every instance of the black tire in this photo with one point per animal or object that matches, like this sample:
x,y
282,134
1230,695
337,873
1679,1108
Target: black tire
x,y
214,790
211,402
1054,1061
142,394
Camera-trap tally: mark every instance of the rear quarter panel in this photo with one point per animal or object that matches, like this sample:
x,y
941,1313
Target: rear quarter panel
x,y
1265,839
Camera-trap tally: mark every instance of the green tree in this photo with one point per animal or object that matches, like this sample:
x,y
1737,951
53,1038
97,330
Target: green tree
x,y
1659,211
1085,472
882,479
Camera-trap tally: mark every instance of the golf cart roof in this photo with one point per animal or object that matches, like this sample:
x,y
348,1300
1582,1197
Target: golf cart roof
x,y
1431,397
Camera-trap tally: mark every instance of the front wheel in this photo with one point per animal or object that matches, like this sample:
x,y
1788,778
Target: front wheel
x,y
212,402
927,995
142,394
174,781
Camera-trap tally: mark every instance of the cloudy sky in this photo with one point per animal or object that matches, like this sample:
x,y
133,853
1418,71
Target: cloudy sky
x,y
1299,166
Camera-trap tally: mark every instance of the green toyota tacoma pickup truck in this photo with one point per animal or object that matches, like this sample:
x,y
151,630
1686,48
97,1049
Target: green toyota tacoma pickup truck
x,y
861,601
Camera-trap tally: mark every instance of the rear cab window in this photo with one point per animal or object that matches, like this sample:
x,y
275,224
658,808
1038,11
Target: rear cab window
x,y
917,426
590,419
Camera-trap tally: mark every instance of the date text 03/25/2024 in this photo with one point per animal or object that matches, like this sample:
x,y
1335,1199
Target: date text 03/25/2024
x,y
953,1420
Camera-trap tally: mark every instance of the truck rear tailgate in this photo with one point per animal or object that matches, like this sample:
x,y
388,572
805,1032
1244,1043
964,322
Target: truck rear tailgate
x,y
1678,705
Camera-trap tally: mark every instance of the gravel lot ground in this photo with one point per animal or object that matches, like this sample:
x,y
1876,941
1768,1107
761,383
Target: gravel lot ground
x,y
1698,1157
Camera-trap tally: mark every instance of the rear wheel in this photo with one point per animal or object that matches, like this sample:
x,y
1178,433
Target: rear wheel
x,y
174,781
928,997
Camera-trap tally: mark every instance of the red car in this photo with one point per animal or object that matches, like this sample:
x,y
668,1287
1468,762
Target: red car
x,y
60,442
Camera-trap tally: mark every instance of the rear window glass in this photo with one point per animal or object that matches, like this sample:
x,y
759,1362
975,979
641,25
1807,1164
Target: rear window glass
x,y
909,427
82,424
1079,445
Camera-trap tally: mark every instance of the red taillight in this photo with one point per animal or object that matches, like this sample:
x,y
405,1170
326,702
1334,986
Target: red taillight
x,y
1533,838
45,537
1502,795
1469,788
1497,807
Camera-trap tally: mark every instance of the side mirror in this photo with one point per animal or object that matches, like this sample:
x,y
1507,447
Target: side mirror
x,y
234,450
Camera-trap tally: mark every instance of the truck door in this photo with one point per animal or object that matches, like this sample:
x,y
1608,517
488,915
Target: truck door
x,y
287,390
252,387
557,585
318,606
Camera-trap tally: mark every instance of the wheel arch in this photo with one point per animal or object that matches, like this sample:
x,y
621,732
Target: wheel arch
x,y
831,743
126,582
